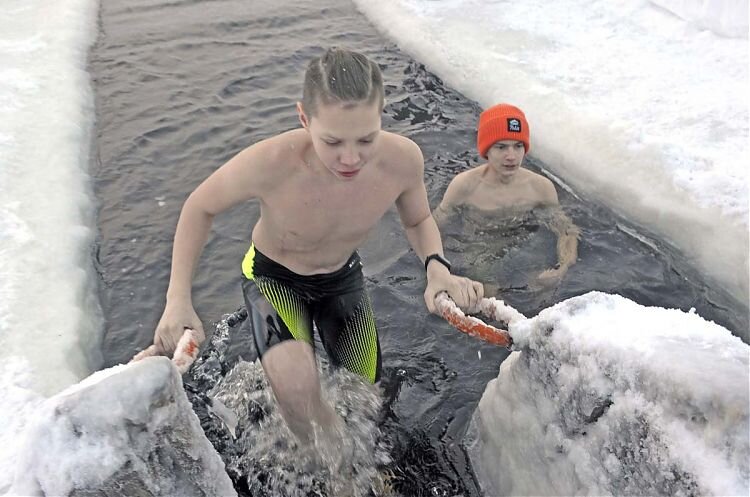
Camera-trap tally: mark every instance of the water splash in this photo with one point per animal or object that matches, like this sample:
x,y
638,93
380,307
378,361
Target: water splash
x,y
262,456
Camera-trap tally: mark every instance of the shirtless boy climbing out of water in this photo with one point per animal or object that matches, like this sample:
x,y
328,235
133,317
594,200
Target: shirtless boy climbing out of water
x,y
321,188
502,186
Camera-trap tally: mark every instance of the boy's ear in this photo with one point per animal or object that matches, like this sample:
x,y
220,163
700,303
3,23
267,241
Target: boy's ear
x,y
302,116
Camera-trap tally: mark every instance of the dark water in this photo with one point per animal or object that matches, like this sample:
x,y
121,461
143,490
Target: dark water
x,y
182,86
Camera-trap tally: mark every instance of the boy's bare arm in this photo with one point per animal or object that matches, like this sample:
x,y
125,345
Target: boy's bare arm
x,y
567,238
452,198
546,191
424,236
441,213
567,232
414,210
241,178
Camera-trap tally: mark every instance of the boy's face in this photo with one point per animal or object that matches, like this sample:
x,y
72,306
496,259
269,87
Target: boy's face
x,y
344,135
506,156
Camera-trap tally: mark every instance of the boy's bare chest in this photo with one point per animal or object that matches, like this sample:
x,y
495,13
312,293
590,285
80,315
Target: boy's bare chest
x,y
341,210
488,198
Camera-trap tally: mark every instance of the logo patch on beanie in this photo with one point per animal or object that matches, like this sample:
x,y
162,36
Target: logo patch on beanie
x,y
514,125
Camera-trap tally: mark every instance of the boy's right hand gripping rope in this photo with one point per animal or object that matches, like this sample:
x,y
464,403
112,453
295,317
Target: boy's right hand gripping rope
x,y
491,308
184,355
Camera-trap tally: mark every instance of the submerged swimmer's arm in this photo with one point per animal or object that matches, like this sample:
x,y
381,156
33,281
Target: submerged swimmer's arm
x,y
453,197
441,213
424,236
240,179
567,232
567,238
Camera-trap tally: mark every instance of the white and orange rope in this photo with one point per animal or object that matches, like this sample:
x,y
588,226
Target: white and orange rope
x,y
491,308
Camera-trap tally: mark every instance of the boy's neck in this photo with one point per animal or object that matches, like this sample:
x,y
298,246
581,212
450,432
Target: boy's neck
x,y
492,177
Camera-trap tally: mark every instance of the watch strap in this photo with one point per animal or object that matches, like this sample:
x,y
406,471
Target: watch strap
x,y
442,260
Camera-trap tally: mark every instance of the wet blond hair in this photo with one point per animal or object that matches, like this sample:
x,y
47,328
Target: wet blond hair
x,y
344,76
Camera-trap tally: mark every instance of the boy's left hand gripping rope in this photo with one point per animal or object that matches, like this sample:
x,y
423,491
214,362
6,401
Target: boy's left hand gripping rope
x,y
184,355
490,308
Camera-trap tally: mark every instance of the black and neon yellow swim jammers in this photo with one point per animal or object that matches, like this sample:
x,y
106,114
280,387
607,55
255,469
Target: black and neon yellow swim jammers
x,y
283,305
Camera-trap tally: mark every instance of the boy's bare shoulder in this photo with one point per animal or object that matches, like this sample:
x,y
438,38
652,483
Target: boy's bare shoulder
x,y
274,157
261,167
543,186
284,149
401,155
469,178
465,182
461,187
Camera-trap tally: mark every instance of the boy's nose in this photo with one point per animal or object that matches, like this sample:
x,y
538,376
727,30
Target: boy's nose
x,y
349,157
512,153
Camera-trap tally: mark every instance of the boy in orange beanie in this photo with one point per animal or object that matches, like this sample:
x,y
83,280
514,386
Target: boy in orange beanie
x,y
502,185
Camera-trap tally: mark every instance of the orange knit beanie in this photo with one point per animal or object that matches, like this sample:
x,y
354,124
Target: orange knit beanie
x,y
502,122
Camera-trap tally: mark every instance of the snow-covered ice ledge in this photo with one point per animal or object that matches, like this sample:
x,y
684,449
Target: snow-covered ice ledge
x,y
609,397
126,430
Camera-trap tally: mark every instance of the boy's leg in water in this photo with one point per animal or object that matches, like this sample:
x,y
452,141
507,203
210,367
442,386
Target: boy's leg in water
x,y
293,374
347,329
285,347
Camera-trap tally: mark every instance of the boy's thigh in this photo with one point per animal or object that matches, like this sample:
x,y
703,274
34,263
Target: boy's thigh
x,y
346,325
276,312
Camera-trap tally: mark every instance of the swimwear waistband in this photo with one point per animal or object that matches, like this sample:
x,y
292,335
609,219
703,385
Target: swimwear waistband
x,y
256,264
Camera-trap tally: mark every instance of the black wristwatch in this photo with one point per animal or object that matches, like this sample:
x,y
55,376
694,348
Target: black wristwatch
x,y
442,260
